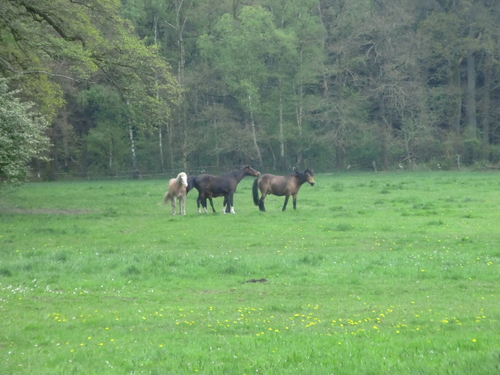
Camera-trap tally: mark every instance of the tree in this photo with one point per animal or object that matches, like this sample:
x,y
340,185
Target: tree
x,y
243,50
83,41
21,136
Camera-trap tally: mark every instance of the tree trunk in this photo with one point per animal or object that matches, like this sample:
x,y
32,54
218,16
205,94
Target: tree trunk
x,y
53,163
339,159
384,147
486,106
185,150
110,153
282,137
170,132
160,138
471,97
455,81
217,155
180,71
135,171
83,158
160,147
384,136
299,116
254,134
299,113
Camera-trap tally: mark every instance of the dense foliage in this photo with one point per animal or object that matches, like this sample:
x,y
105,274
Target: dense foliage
x,y
276,83
21,137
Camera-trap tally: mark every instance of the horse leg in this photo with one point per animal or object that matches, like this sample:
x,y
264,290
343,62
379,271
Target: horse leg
x,y
173,205
224,205
182,202
211,204
229,203
232,204
261,203
294,201
202,201
286,202
198,203
204,204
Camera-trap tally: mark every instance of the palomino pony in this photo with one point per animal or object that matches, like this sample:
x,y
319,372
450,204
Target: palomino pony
x,y
280,185
177,189
210,186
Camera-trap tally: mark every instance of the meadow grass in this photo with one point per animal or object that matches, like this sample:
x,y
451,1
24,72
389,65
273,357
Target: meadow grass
x,y
372,274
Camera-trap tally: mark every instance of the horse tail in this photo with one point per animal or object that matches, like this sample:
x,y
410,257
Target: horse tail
x,y
255,191
166,198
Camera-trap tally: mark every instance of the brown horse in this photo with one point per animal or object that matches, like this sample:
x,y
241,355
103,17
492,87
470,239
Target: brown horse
x,y
210,186
177,189
280,185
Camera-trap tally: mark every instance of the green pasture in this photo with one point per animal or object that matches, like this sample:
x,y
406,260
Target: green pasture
x,y
392,273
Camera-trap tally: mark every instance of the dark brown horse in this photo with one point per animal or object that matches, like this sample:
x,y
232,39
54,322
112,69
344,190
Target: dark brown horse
x,y
210,186
280,185
198,183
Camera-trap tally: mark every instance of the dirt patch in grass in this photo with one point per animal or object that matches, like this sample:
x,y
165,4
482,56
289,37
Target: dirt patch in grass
x,y
47,211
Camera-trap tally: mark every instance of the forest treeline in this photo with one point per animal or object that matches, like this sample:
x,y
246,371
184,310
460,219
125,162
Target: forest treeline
x,y
156,86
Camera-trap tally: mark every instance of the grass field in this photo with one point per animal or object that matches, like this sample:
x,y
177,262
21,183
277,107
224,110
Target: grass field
x,y
372,274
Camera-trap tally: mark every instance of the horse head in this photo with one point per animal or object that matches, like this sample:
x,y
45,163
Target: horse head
x,y
183,179
250,171
309,176
191,181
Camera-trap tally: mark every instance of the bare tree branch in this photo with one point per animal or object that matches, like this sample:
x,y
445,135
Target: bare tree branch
x,y
9,67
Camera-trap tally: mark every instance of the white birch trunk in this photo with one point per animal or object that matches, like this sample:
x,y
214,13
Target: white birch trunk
x,y
254,134
282,134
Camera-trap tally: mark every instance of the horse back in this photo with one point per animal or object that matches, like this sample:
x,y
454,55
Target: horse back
x,y
222,185
272,184
208,185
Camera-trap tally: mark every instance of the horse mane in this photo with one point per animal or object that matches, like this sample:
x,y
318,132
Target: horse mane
x,y
235,172
300,174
